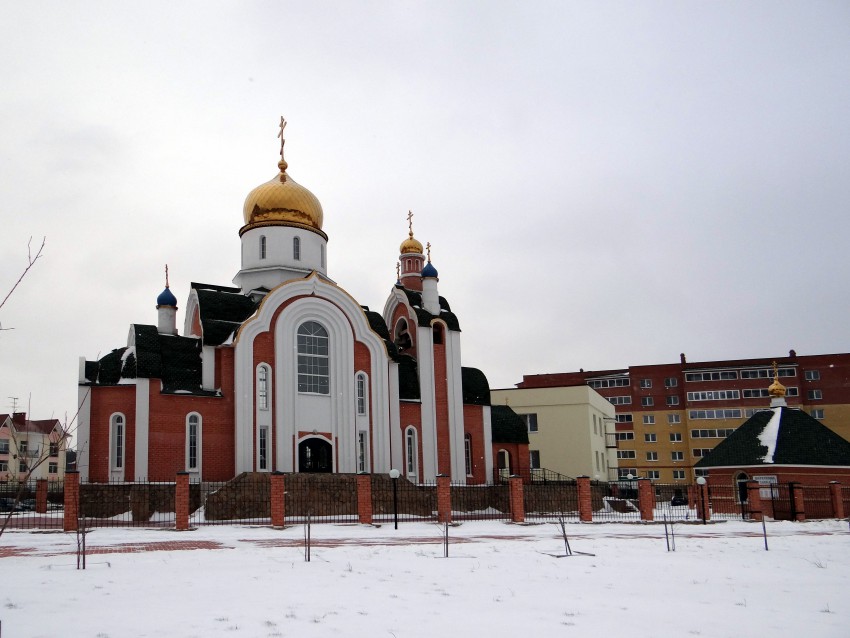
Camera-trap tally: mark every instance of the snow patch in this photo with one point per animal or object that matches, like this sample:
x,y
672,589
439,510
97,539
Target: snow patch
x,y
768,436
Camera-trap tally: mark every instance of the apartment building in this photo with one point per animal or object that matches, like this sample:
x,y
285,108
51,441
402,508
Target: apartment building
x,y
668,416
31,450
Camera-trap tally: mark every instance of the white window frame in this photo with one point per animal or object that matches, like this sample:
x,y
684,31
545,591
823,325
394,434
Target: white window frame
x,y
675,437
817,413
812,375
316,378
411,454
653,475
678,475
360,393
198,423
264,431
467,454
362,451
814,395
117,444
652,456
650,437
264,373
649,419
678,455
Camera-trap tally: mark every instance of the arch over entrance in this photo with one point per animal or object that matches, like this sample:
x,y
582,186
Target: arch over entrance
x,y
741,482
315,455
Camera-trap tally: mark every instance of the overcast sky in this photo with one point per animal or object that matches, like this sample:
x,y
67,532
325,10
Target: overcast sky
x,y
603,183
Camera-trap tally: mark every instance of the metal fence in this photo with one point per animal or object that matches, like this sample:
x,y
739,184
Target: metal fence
x,y
724,502
673,502
399,496
18,505
480,502
614,501
245,502
327,498
121,504
818,502
551,499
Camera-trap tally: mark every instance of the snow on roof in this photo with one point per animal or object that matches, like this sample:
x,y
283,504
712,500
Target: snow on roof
x,y
769,435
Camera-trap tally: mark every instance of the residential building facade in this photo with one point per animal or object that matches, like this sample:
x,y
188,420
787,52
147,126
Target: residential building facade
x,y
31,450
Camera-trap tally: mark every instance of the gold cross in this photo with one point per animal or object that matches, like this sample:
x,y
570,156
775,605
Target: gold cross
x,y
280,134
428,248
410,222
166,275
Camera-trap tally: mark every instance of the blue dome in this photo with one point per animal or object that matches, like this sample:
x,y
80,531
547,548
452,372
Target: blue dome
x,y
429,270
166,298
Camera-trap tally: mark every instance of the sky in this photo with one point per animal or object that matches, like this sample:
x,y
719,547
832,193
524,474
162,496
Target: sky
x,y
603,184
499,581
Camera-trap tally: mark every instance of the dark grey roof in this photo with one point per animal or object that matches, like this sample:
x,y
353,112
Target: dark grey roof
x,y
423,317
800,440
476,388
223,309
507,425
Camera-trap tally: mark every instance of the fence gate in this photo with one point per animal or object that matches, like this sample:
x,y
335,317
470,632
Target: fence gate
x,y
782,500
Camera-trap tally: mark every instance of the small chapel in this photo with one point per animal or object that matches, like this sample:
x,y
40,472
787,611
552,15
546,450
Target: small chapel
x,y
284,371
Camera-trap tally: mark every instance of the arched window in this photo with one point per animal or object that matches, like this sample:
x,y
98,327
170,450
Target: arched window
x,y
467,453
438,333
193,442
117,435
313,375
360,382
402,336
296,248
411,453
262,246
323,256
262,388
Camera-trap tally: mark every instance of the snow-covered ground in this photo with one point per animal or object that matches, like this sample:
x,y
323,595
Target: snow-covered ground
x,y
499,580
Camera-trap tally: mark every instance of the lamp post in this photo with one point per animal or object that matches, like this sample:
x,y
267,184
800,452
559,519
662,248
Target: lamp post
x,y
701,483
394,474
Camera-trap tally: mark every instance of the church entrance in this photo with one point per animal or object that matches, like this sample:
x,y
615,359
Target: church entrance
x,y
314,455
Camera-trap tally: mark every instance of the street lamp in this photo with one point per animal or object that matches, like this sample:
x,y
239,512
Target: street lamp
x,y
701,483
394,474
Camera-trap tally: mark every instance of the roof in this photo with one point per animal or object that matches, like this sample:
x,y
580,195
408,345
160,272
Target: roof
x,y
38,426
223,309
779,436
507,426
476,388
423,317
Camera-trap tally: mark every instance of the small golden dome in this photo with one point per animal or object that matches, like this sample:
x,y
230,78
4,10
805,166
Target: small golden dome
x,y
776,389
282,202
410,245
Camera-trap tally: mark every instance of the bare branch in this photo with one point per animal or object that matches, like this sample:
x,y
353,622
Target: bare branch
x,y
30,263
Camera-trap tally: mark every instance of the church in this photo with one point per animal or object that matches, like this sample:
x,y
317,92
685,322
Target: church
x,y
284,371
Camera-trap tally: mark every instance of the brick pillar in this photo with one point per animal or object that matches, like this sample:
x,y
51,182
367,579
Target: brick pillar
x,y
797,498
444,499
692,497
278,496
837,501
364,498
72,500
646,500
41,496
754,500
517,499
181,501
585,506
703,505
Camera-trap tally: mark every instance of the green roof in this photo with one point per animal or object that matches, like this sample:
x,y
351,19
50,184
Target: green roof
x,y
507,425
423,317
476,388
223,310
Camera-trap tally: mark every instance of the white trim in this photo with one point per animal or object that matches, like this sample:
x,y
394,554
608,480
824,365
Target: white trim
x,y
414,476
454,383
142,428
199,461
425,360
83,429
117,472
486,419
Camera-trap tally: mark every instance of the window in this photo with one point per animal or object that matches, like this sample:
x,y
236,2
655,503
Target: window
x,y
263,388
624,418
22,467
116,447
534,460
263,448
672,419
646,383
530,421
362,451
646,402
322,258
53,468
411,452
700,452
296,248
817,413
54,449
677,456
725,375
361,394
625,436
622,400
313,375
792,391
714,395
4,466
672,400
812,375
731,413
626,454
262,246
23,446
4,446
467,454
711,434
650,437
671,382
653,475
675,437
594,424
767,373
193,442
814,395
649,419
619,382
678,475
652,456
626,472
700,472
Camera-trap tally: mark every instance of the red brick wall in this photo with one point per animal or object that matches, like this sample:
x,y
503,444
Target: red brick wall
x,y
441,410
519,457
106,400
803,475
473,423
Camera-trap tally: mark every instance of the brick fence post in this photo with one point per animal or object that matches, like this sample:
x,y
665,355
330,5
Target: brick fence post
x,y
798,500
364,498
837,501
516,499
444,499
703,502
41,496
72,500
585,506
181,501
754,500
278,497
646,500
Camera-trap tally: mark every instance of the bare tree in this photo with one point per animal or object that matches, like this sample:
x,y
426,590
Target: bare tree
x,y
30,263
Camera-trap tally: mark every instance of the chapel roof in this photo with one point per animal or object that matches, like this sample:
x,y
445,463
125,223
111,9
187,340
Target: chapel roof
x,y
423,317
223,309
507,425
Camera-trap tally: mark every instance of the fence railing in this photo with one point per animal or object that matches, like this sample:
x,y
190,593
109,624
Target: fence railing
x,y
32,505
480,502
412,502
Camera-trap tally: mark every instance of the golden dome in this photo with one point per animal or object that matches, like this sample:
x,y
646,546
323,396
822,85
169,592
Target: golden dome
x,y
776,389
410,245
282,202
